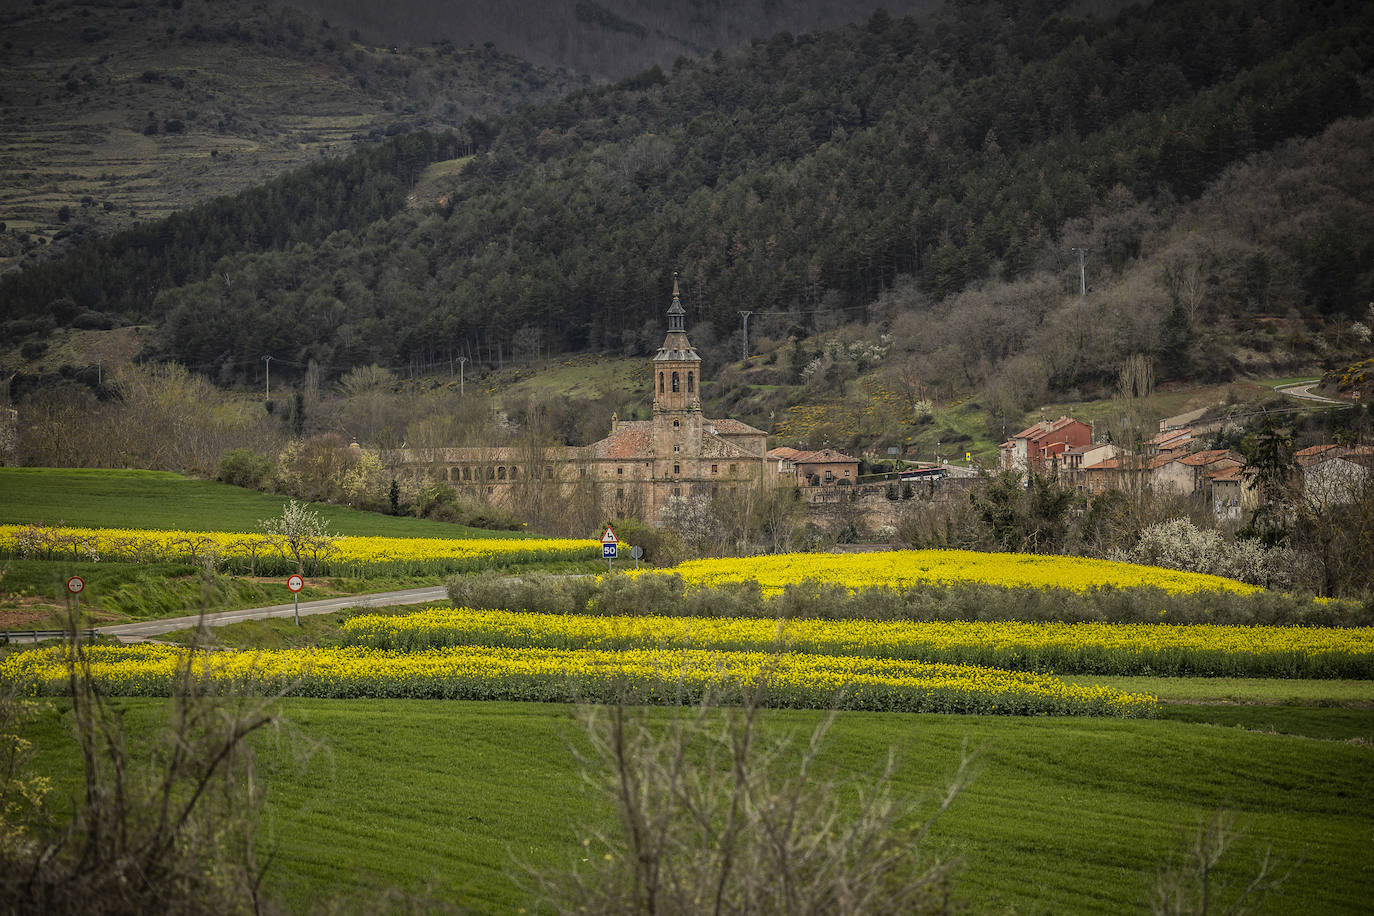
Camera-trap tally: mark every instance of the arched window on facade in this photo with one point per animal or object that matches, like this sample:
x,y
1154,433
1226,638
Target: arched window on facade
x,y
500,473
675,383
691,382
660,383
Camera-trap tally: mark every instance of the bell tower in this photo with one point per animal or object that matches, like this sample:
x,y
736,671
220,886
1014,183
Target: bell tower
x,y
677,423
676,366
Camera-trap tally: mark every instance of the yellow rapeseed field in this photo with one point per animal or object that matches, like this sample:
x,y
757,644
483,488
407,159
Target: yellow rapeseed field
x,y
637,675
143,545
1103,648
901,568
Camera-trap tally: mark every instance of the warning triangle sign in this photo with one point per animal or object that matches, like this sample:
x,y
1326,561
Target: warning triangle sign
x,y
609,536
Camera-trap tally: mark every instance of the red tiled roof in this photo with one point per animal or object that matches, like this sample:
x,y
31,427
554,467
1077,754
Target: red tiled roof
x,y
824,456
785,452
1170,434
632,439
1044,428
1210,456
734,428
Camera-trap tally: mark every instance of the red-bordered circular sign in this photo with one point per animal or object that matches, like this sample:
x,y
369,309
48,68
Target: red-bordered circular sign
x,y
75,584
295,583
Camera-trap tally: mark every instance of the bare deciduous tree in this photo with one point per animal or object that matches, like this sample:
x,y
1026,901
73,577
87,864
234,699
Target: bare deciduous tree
x,y
718,817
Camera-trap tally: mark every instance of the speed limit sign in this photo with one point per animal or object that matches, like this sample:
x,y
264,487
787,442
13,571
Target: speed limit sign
x,y
296,583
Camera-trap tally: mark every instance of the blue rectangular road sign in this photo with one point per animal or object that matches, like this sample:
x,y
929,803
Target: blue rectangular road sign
x,y
608,551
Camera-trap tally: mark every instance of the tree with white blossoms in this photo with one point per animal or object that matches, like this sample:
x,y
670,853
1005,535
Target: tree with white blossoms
x,y
1179,544
299,533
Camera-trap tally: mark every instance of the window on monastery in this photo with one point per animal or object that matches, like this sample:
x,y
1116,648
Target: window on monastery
x,y
660,383
548,472
676,385
677,469
829,476
467,473
676,424
676,449
733,468
491,474
620,471
677,491
846,472
501,473
691,383
715,469
514,473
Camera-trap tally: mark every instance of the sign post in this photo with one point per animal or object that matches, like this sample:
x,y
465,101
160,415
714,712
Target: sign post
x,y
76,585
637,552
609,543
296,583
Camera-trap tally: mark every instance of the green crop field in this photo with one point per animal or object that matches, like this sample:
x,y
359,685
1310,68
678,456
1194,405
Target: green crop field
x,y
98,498
1065,814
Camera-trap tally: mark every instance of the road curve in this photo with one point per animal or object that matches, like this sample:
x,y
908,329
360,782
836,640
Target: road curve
x,y
138,632
1303,390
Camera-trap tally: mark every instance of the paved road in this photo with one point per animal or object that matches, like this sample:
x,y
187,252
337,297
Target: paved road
x,y
138,632
1303,390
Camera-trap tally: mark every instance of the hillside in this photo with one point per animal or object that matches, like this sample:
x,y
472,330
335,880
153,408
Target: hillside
x,y
928,177
610,39
116,113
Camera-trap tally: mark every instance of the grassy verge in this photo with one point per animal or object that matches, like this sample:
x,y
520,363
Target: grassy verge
x,y
1066,815
1261,691
99,498
33,592
323,630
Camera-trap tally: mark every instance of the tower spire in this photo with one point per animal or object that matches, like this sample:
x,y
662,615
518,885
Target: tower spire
x,y
677,315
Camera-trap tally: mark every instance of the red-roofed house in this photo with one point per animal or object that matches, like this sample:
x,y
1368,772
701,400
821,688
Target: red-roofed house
x,y
1039,446
823,468
1333,475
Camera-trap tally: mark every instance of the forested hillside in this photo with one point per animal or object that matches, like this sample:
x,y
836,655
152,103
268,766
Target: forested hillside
x,y
118,111
877,171
607,39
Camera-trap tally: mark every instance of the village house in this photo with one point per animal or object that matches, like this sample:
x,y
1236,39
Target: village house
x,y
1332,475
1075,461
1170,442
1039,447
822,468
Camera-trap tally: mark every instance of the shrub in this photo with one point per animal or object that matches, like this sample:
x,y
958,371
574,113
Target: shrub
x,y
243,467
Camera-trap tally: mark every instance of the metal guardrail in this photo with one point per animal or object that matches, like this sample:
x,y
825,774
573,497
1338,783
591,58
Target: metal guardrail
x,y
13,636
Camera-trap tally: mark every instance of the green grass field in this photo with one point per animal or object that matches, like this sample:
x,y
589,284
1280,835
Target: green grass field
x,y
1065,815
98,498
32,592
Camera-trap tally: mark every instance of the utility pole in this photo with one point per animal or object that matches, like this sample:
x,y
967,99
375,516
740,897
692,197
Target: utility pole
x,y
462,360
1082,272
745,316
268,395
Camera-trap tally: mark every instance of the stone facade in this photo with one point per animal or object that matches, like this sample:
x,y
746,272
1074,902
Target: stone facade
x,y
637,469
